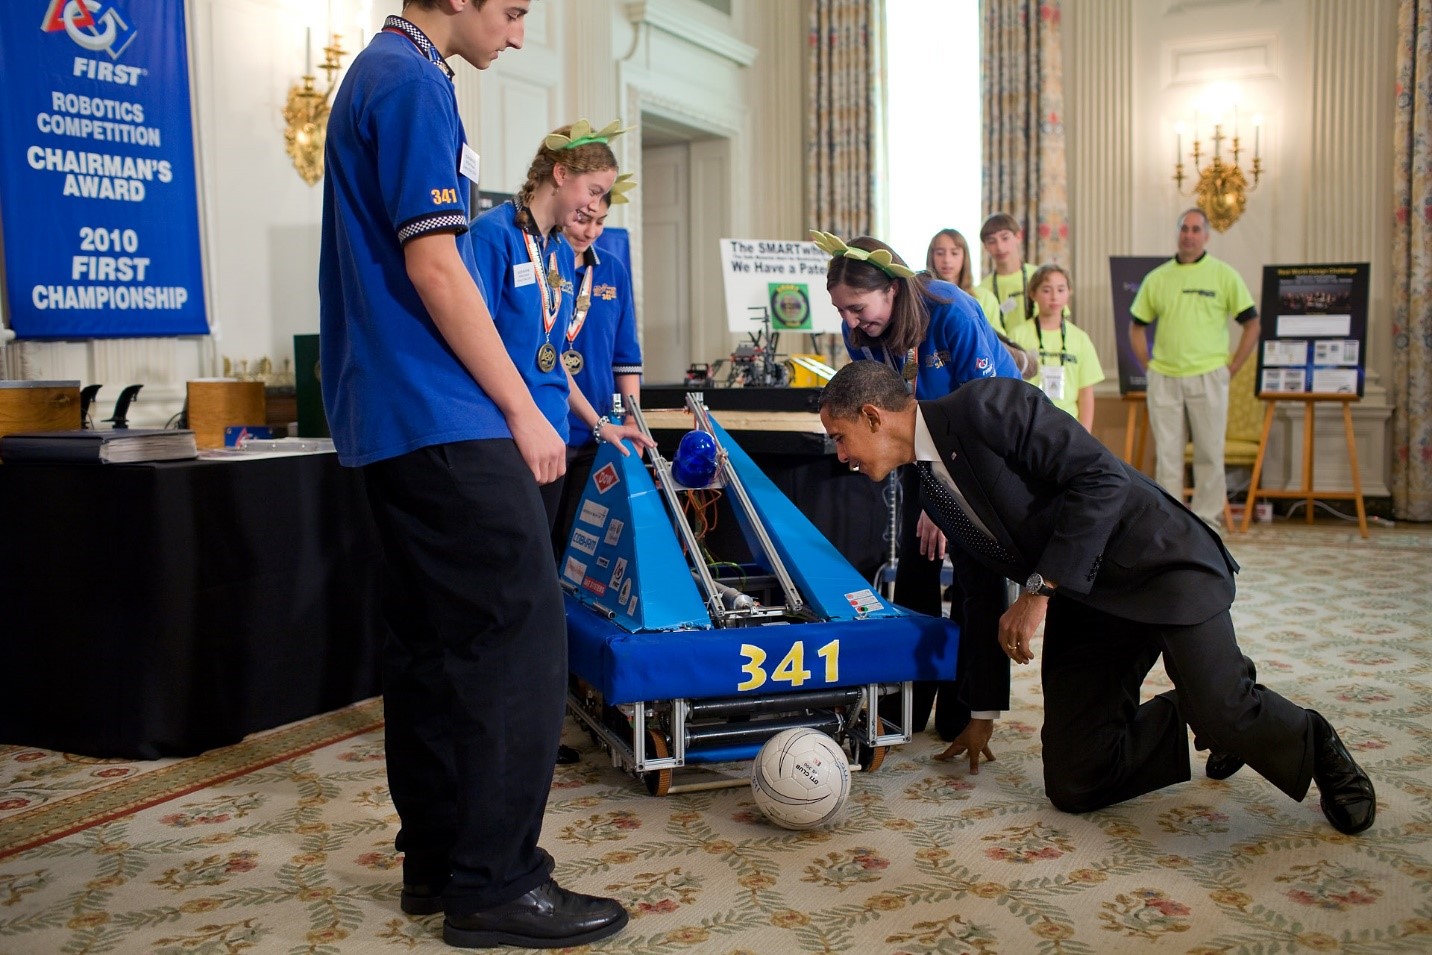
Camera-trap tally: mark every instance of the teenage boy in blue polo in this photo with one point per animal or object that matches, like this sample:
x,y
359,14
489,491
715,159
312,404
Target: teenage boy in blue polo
x,y
422,395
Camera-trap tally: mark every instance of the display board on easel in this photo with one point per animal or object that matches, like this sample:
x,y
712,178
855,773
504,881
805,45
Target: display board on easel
x,y
1314,330
1312,348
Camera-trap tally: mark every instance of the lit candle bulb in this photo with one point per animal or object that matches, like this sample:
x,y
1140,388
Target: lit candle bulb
x,y
1178,142
1257,128
308,51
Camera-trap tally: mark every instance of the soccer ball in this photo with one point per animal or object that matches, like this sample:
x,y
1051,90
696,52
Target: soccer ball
x,y
800,779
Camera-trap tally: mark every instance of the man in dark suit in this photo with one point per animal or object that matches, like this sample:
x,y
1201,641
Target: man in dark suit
x,y
1118,572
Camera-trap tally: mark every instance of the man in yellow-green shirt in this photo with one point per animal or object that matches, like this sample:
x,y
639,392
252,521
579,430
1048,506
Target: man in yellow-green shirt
x,y
1192,296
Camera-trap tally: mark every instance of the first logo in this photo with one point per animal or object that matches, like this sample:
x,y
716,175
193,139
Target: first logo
x,y
93,24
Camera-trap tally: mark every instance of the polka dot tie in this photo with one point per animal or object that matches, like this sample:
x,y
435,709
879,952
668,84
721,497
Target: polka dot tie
x,y
952,517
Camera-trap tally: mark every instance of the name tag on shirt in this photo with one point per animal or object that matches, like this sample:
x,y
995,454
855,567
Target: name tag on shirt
x,y
1053,381
523,274
1007,305
469,163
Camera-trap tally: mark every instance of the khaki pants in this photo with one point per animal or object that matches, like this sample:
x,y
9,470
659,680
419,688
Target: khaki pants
x,y
1202,402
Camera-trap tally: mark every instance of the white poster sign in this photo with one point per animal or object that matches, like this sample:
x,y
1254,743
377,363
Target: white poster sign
x,y
785,279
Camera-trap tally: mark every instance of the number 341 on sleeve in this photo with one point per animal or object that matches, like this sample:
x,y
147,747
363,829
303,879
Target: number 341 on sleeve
x,y
791,669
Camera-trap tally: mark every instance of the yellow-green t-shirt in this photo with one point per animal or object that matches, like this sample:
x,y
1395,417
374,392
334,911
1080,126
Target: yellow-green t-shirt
x,y
1068,347
1192,304
1008,292
988,304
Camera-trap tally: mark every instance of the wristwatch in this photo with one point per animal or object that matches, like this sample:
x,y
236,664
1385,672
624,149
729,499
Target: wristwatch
x,y
1036,587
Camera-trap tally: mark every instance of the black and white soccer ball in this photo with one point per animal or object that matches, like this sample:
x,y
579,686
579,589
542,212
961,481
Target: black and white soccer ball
x,y
801,779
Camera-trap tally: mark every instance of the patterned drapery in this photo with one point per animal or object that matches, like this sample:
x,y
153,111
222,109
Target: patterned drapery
x,y
842,114
1023,96
1412,267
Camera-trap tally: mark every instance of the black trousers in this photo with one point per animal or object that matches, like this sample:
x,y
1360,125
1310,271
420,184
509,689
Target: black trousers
x,y
475,666
977,598
1102,746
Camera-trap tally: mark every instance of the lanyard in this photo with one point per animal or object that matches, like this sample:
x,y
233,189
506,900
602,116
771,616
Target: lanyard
x,y
1063,325
1019,291
582,306
549,283
396,24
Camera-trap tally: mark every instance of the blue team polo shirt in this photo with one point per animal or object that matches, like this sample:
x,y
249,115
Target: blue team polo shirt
x,y
390,382
606,340
959,346
514,296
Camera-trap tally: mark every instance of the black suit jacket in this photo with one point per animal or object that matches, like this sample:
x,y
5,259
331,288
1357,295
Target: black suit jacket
x,y
1065,506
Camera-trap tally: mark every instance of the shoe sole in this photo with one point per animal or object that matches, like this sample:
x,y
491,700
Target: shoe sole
x,y
461,938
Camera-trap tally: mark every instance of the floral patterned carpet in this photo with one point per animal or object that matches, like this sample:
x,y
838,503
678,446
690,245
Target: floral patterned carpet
x,y
284,842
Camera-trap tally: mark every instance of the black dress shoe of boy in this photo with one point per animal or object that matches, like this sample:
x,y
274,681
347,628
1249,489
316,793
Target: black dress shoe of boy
x,y
421,898
566,755
547,917
1348,799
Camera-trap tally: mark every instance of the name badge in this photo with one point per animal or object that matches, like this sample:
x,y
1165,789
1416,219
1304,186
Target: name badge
x,y
1007,306
523,274
469,162
1052,381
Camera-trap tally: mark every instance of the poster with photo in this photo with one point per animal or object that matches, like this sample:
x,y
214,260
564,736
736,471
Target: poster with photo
x,y
784,281
1314,330
1126,274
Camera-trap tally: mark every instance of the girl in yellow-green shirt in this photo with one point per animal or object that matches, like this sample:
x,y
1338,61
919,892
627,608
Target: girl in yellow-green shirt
x,y
1068,364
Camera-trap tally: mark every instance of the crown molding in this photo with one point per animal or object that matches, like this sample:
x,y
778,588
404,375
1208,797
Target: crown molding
x,y
667,16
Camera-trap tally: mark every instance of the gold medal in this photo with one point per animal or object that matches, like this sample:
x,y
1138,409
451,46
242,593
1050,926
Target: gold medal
x,y
584,301
573,360
546,357
554,277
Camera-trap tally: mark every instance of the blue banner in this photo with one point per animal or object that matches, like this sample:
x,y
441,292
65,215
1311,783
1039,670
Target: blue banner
x,y
98,194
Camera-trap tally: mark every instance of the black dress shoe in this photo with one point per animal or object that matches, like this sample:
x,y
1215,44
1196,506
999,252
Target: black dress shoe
x,y
1348,799
421,898
566,755
1222,765
547,917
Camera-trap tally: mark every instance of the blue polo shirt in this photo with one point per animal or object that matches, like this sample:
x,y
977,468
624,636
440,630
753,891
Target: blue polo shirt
x,y
514,295
606,340
959,346
390,382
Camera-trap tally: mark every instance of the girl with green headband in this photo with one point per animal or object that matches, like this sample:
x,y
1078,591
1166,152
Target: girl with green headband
x,y
936,335
529,276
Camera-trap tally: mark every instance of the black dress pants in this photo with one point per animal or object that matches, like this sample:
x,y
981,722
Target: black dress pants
x,y
1102,746
475,666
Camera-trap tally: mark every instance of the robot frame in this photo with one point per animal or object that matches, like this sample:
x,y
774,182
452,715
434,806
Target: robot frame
x,y
679,660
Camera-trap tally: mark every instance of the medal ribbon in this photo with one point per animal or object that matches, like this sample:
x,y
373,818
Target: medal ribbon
x,y
582,306
551,288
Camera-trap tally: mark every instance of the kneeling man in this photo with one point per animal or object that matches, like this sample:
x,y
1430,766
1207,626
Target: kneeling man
x,y
1119,573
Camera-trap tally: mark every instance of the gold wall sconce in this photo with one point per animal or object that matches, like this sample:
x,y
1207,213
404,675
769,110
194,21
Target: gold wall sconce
x,y
305,115
1221,187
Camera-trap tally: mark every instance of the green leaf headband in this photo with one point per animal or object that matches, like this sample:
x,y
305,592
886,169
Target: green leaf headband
x,y
624,184
880,258
582,134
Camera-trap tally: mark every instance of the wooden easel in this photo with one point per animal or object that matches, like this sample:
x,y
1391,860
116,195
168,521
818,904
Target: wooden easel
x,y
1306,492
1136,428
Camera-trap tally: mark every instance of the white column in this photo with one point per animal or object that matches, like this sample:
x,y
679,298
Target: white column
x,y
1098,123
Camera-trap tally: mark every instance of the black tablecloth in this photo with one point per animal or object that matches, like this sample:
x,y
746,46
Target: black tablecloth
x,y
165,609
